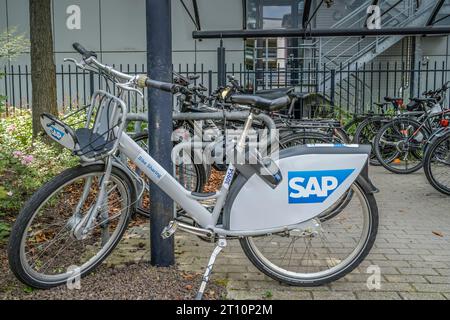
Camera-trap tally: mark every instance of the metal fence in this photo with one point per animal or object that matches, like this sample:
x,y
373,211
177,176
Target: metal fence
x,y
350,88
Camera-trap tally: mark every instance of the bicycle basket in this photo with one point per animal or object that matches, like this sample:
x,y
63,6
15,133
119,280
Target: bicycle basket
x,y
105,121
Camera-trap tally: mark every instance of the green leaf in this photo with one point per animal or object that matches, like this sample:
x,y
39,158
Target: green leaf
x,y
3,193
28,290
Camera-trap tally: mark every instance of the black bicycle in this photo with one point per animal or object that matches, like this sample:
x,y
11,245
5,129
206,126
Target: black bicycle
x,y
400,144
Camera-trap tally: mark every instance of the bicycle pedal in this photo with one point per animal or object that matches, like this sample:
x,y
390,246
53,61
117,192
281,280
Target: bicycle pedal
x,y
169,230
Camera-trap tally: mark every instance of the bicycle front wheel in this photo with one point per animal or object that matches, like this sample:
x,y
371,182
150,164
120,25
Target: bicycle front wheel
x,y
44,250
323,254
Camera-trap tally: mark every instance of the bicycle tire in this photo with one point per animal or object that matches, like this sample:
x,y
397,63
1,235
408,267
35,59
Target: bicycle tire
x,y
265,266
428,165
38,199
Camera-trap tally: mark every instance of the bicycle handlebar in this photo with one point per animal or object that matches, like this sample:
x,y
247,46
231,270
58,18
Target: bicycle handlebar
x,y
445,87
82,50
141,81
164,86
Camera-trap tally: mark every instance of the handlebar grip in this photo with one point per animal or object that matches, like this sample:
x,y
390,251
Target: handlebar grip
x,y
164,86
82,50
445,86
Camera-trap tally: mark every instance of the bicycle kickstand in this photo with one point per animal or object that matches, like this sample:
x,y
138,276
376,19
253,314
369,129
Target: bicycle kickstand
x,y
221,244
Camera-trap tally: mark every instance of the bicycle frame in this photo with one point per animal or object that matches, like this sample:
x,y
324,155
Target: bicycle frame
x,y
186,199
427,124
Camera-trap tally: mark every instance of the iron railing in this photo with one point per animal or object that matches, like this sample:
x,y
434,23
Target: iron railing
x,y
351,90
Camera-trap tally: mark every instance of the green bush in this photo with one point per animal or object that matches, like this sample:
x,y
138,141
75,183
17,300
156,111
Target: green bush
x,y
25,165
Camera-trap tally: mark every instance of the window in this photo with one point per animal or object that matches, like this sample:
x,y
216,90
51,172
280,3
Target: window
x,y
264,55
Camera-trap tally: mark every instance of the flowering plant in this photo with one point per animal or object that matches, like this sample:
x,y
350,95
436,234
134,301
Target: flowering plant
x,y
25,165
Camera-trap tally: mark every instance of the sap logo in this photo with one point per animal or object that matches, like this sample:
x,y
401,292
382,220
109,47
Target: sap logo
x,y
314,186
57,134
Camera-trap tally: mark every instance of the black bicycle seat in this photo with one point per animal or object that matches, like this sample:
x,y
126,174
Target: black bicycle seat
x,y
274,93
261,103
390,99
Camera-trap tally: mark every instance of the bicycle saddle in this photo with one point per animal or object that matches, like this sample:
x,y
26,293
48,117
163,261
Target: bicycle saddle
x,y
274,93
390,99
261,103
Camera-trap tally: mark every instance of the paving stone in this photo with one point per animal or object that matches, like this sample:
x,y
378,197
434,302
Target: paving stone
x,y
406,278
429,264
258,294
443,272
435,287
333,295
421,296
404,257
390,263
384,286
438,279
418,271
412,251
374,295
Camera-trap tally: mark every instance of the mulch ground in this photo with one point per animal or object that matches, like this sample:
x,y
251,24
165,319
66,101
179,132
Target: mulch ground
x,y
134,282
131,282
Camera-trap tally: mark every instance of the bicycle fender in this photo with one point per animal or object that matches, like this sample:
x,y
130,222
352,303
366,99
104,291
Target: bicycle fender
x,y
314,178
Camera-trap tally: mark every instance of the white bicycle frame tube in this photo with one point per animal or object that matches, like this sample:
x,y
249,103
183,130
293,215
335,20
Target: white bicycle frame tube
x,y
172,187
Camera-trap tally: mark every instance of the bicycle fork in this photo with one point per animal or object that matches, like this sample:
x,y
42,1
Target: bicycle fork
x,y
83,226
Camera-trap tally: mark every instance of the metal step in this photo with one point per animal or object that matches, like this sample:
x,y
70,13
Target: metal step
x,y
381,44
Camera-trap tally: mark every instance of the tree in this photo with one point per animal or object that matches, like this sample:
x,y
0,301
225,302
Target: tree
x,y
43,69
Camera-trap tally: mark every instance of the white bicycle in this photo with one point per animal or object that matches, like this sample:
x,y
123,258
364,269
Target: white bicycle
x,y
277,208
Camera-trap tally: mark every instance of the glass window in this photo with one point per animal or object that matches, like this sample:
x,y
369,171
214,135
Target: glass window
x,y
263,56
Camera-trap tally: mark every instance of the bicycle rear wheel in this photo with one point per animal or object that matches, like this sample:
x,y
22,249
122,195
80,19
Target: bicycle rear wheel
x,y
322,254
43,249
437,164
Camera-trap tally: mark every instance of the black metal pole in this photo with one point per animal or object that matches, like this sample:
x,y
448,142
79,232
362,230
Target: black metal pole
x,y
221,72
316,33
159,67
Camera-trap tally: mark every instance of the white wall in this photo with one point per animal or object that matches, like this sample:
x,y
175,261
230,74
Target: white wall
x,y
116,29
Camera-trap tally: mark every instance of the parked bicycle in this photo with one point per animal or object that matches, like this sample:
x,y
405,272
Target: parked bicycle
x,y
368,127
73,222
399,144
